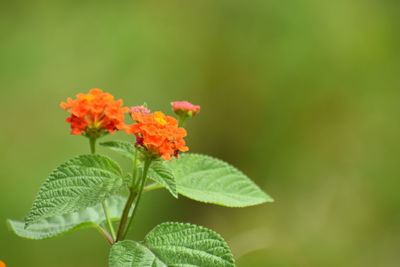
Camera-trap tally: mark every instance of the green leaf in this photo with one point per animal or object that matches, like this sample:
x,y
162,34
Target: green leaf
x,y
62,224
160,173
125,148
173,244
211,180
132,254
81,182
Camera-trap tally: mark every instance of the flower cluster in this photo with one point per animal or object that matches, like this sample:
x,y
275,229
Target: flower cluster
x,y
158,134
95,113
184,108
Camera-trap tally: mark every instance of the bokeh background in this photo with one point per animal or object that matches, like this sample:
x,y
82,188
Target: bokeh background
x,y
302,95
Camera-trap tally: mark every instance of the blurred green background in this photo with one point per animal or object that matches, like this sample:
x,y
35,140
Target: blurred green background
x,y
302,95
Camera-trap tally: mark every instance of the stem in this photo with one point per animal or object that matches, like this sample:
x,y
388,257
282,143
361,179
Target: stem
x,y
130,200
92,141
152,187
109,223
181,120
134,172
143,181
106,235
125,215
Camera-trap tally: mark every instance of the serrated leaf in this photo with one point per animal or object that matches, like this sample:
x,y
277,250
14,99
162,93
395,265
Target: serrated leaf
x,y
160,173
63,224
207,179
173,244
132,254
125,148
76,184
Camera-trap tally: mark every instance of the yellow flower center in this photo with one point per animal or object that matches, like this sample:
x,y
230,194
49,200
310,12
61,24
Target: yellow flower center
x,y
88,97
160,118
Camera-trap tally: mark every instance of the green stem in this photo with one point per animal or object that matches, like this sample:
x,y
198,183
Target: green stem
x,y
104,233
134,172
125,214
129,202
152,187
181,120
139,195
92,141
108,219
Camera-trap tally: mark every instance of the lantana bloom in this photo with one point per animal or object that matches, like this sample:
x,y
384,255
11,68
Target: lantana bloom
x,y
185,108
158,134
95,113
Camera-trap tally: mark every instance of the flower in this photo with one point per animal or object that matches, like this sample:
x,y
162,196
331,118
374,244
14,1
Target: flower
x,y
184,108
158,134
139,109
94,114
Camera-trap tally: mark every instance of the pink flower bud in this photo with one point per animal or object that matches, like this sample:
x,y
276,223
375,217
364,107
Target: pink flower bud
x,y
139,109
184,108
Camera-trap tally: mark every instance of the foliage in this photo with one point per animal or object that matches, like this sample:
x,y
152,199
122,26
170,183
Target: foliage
x,y
91,217
81,182
173,244
207,179
85,191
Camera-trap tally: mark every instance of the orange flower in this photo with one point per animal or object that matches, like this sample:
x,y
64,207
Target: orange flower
x,y
158,134
95,113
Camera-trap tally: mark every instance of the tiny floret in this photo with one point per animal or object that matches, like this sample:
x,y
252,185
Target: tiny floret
x,y
95,113
158,134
